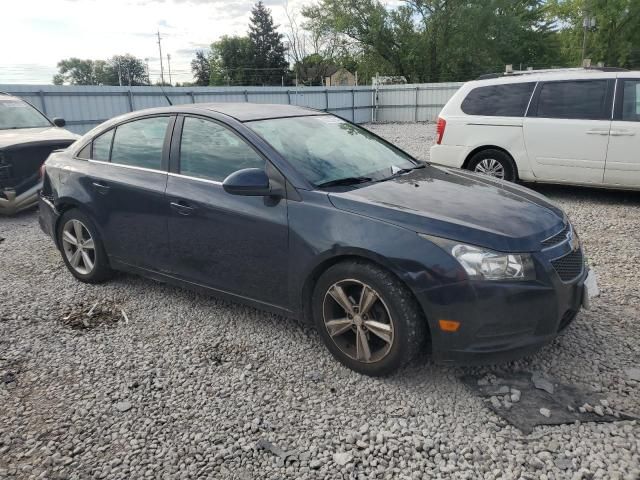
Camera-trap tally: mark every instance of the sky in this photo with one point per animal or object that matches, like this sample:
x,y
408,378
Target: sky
x,y
36,34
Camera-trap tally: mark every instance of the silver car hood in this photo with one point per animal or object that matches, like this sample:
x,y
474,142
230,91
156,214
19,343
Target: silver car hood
x,y
18,136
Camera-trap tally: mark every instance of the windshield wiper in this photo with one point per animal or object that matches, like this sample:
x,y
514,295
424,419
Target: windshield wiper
x,y
402,171
407,170
344,181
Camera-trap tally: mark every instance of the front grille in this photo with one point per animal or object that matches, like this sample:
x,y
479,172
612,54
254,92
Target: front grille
x,y
559,237
569,266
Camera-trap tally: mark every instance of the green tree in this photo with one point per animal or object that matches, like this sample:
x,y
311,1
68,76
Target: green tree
x,y
125,69
201,68
231,59
615,39
439,40
268,53
75,71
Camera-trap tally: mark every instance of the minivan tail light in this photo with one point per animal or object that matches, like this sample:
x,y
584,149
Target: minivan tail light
x,y
442,124
42,169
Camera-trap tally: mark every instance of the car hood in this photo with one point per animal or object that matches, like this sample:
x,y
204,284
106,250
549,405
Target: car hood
x,y
20,136
458,205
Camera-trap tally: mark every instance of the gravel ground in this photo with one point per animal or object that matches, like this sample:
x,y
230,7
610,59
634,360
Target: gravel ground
x,y
191,387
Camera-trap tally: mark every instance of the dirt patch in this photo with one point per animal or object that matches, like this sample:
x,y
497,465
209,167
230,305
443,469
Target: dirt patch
x,y
90,315
527,400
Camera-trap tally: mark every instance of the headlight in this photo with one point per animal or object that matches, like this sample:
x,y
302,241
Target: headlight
x,y
484,264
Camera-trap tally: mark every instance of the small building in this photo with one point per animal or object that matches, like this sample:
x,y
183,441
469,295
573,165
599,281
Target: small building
x,y
388,80
339,77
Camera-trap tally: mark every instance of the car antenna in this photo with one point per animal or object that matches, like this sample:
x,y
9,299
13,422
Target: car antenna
x,y
165,94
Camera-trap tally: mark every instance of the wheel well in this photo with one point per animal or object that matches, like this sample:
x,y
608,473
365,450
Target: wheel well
x,y
64,207
312,280
490,147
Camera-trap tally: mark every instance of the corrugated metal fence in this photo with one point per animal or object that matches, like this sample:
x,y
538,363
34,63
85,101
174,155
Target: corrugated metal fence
x,y
83,107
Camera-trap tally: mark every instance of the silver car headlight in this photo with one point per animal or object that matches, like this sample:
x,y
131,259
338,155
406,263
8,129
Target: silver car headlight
x,y
483,264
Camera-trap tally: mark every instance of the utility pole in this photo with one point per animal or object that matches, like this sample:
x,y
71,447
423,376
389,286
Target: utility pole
x,y
146,62
119,73
161,66
587,23
169,65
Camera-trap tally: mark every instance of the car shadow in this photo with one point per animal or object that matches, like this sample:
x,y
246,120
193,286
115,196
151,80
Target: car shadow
x,y
587,194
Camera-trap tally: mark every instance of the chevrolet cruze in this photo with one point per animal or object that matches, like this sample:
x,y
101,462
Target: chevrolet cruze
x,y
302,213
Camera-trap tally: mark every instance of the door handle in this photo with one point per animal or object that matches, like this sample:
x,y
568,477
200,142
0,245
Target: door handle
x,y
597,132
620,133
101,187
182,208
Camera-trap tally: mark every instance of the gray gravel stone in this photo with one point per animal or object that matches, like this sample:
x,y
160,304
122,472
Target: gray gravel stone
x,y
515,395
545,412
123,406
342,458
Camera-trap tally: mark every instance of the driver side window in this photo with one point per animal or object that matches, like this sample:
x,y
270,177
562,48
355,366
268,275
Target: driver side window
x,y
210,151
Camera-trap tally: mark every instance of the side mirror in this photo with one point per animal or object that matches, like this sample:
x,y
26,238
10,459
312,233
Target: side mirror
x,y
249,181
59,122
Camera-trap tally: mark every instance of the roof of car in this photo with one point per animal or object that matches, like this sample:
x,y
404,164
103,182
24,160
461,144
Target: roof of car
x,y
558,74
246,112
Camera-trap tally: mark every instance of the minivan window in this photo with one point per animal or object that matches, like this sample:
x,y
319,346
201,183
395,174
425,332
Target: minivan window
x,y
580,99
631,100
102,146
209,150
509,100
139,143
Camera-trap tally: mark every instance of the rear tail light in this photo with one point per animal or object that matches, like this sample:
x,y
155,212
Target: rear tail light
x,y
442,124
42,169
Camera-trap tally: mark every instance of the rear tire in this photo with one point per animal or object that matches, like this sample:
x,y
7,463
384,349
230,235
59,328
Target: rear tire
x,y
380,312
81,248
494,163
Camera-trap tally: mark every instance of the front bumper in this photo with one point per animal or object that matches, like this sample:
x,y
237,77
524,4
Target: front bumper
x,y
501,321
10,203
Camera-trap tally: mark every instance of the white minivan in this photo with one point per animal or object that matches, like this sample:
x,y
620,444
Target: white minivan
x,y
575,126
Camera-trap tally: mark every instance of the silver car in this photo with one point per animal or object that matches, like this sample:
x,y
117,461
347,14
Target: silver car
x,y
27,137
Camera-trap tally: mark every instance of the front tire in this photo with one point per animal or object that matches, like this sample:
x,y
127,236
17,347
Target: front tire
x,y
367,318
81,247
494,163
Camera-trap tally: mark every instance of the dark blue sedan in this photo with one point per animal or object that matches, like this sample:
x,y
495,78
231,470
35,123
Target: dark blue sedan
x,y
305,214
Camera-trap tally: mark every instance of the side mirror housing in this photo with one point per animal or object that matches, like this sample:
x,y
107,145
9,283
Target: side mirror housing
x,y
250,182
59,122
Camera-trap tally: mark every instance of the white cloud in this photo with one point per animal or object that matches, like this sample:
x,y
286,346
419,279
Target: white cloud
x,y
38,33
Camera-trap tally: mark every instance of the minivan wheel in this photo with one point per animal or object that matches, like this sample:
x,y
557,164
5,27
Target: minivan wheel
x,y
82,250
367,318
494,163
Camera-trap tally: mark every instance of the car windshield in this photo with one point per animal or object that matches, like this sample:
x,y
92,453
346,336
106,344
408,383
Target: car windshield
x,y
330,151
14,113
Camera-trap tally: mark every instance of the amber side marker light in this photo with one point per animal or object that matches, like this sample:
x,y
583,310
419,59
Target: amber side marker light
x,y
449,325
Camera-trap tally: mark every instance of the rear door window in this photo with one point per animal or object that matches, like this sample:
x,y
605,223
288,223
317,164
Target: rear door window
x,y
578,99
499,100
102,147
139,143
210,151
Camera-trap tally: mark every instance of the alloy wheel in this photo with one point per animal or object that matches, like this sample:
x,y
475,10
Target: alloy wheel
x,y
78,246
491,167
358,321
